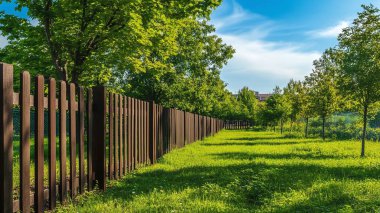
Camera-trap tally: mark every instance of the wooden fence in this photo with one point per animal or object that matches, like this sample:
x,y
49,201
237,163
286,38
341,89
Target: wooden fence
x,y
108,134
237,124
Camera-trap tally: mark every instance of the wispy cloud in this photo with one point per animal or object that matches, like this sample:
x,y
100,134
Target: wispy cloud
x,y
330,32
262,65
236,16
259,63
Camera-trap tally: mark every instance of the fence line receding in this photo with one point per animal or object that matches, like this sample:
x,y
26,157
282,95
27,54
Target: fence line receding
x,y
92,135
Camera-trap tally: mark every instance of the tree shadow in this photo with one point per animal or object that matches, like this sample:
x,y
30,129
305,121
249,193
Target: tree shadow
x,y
255,182
277,156
262,143
255,138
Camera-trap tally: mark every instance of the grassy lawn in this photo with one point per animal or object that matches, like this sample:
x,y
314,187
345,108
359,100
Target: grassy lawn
x,y
242,171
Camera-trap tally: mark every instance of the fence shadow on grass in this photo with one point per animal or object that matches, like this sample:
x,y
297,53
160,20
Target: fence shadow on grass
x,y
264,180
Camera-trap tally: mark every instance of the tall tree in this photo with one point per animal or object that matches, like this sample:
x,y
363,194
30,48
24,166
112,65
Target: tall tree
x,y
359,56
307,111
248,100
277,109
322,89
293,94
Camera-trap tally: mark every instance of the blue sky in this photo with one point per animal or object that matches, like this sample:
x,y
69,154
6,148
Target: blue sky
x,y
276,40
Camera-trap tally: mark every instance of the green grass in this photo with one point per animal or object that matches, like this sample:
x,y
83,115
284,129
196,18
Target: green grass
x,y
242,171
16,163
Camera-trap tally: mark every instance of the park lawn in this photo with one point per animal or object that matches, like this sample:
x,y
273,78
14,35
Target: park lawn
x,y
246,171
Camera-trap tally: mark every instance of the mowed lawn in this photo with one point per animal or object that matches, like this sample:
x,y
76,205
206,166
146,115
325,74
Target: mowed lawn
x,y
246,171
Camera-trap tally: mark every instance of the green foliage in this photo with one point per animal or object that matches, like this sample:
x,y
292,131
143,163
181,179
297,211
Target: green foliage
x,y
164,51
294,94
83,36
321,85
277,109
248,101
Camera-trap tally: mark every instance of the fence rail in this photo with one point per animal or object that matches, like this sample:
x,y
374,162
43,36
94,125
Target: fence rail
x,y
108,136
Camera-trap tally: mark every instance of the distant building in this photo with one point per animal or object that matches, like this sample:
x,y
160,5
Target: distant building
x,y
260,97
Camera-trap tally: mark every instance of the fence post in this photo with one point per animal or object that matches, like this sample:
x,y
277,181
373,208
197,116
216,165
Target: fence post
x,y
6,137
152,135
99,135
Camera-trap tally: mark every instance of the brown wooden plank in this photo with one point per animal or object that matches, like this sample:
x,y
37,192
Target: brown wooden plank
x,y
6,137
147,148
146,124
39,144
143,132
121,150
151,133
137,127
116,132
62,142
25,142
129,126
146,133
135,139
52,143
80,125
73,142
111,137
140,130
99,135
125,133
89,140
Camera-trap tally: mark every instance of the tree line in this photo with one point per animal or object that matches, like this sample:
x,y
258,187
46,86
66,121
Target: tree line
x,y
346,78
157,50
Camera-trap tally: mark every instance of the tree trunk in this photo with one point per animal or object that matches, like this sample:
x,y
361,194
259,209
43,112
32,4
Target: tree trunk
x,y
323,128
291,125
282,126
306,128
74,76
365,113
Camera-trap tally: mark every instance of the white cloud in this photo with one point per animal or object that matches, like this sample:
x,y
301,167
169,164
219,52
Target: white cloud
x,y
259,63
331,32
262,65
236,16
270,58
3,41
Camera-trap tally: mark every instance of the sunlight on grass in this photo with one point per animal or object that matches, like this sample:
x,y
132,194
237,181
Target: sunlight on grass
x,y
244,171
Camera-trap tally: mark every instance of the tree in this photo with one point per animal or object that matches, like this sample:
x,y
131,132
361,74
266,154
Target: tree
x,y
164,51
306,107
192,81
321,85
248,100
359,56
276,109
88,41
294,95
